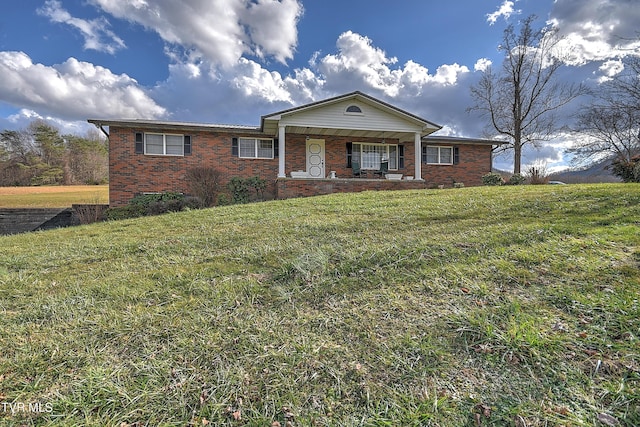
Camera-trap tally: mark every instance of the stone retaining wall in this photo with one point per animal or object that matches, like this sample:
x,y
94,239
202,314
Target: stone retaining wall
x,y
14,221
23,220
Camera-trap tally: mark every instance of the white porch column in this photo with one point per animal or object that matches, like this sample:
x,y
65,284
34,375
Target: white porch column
x,y
281,136
418,150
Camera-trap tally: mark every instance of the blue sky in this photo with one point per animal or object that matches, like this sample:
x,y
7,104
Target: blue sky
x,y
232,61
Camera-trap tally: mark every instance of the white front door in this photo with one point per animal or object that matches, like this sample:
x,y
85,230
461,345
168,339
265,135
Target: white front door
x,y
315,158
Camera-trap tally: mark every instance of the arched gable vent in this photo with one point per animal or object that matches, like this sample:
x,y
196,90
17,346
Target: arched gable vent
x,y
353,109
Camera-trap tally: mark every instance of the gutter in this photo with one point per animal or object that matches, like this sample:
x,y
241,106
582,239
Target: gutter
x,y
99,126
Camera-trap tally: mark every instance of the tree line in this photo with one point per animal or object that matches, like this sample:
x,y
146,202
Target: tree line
x,y
522,100
40,155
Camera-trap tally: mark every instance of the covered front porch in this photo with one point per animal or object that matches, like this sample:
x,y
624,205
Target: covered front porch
x,y
348,137
367,154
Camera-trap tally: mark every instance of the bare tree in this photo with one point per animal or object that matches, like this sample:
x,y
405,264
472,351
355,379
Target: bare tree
x,y
19,159
623,90
204,183
17,144
522,99
611,123
86,159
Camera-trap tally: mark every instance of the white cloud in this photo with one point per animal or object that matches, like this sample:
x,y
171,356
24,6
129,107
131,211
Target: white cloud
x,y
72,90
482,64
273,27
610,69
199,91
506,10
96,32
360,64
447,74
220,30
552,154
597,30
24,117
254,81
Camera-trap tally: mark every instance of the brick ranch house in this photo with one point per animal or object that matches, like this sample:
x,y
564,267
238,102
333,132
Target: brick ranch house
x,y
317,148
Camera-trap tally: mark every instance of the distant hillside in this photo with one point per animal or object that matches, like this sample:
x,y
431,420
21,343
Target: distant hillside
x,y
593,174
597,172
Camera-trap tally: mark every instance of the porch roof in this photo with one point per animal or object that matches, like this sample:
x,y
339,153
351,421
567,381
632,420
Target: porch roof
x,y
329,118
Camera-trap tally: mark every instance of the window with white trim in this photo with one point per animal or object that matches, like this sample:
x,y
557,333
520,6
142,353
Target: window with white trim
x,y
371,155
163,144
255,148
437,155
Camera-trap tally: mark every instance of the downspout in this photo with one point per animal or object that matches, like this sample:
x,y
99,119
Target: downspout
x,y
491,158
99,126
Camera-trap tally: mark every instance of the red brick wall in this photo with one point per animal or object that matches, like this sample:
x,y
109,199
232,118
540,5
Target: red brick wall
x,y
475,161
131,174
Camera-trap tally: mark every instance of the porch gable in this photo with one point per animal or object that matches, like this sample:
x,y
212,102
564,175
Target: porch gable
x,y
354,114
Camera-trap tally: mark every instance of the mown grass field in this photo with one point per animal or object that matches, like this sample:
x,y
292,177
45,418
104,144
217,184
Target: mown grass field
x,y
53,196
510,306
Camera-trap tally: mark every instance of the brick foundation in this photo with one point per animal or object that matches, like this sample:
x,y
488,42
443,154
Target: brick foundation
x,y
287,188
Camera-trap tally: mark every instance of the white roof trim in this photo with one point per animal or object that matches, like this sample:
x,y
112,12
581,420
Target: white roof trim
x,y
354,96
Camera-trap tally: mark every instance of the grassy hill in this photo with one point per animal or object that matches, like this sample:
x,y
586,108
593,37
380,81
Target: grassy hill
x,y
468,307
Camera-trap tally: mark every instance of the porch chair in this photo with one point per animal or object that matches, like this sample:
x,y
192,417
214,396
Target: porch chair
x,y
384,168
355,167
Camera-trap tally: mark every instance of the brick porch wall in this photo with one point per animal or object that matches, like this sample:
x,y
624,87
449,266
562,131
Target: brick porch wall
x,y
287,188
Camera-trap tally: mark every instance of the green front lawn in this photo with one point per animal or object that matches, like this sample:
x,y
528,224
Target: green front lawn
x,y
490,306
